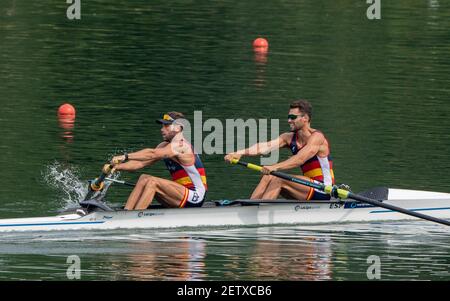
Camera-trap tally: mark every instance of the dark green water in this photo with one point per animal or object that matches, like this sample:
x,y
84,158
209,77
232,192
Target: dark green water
x,y
380,91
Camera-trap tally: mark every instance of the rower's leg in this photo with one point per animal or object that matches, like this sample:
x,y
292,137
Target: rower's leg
x,y
296,191
137,192
168,192
273,188
290,189
261,188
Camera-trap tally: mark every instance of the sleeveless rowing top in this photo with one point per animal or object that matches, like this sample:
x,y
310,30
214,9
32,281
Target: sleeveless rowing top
x,y
316,168
190,176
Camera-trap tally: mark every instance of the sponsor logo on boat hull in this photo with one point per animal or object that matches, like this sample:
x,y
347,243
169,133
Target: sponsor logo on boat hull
x,y
305,207
145,214
352,205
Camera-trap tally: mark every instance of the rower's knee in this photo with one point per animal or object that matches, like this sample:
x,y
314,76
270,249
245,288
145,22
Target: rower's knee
x,y
272,179
143,180
150,182
266,179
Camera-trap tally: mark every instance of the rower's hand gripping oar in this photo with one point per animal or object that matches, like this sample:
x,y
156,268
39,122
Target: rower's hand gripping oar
x,y
336,192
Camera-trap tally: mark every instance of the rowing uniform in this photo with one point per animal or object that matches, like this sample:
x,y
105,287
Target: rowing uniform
x,y
192,177
318,169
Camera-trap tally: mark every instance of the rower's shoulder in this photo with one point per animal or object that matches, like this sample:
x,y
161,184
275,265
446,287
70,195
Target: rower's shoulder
x,y
162,144
317,133
287,136
285,139
319,137
182,147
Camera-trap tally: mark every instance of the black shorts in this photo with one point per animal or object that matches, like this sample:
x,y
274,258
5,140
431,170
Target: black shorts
x,y
318,195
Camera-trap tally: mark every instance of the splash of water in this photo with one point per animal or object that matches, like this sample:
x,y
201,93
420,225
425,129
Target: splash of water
x,y
66,181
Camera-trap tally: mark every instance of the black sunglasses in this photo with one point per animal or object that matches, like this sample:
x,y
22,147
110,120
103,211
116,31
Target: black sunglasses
x,y
293,117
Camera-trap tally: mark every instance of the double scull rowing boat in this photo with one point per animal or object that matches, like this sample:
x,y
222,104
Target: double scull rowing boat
x,y
246,213
378,204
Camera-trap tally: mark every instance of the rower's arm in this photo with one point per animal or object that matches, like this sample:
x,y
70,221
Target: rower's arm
x,y
142,155
160,153
146,157
306,153
264,147
146,154
132,165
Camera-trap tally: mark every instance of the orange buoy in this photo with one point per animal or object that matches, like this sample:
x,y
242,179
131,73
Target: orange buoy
x,y
66,110
260,45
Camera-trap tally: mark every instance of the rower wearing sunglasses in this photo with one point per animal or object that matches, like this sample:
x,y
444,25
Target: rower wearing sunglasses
x,y
188,185
311,154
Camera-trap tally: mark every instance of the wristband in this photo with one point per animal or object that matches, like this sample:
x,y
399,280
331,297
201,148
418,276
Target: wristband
x,y
126,157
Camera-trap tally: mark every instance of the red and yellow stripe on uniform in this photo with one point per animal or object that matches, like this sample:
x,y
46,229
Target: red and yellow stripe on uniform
x,y
185,197
181,177
319,169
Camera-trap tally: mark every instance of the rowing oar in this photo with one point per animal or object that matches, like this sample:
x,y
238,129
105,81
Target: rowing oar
x,y
98,183
342,193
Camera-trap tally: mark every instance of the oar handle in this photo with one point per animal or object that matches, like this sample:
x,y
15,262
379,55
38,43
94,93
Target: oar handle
x,y
248,165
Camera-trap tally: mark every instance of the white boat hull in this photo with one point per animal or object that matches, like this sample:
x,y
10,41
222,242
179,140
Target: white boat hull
x,y
301,213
